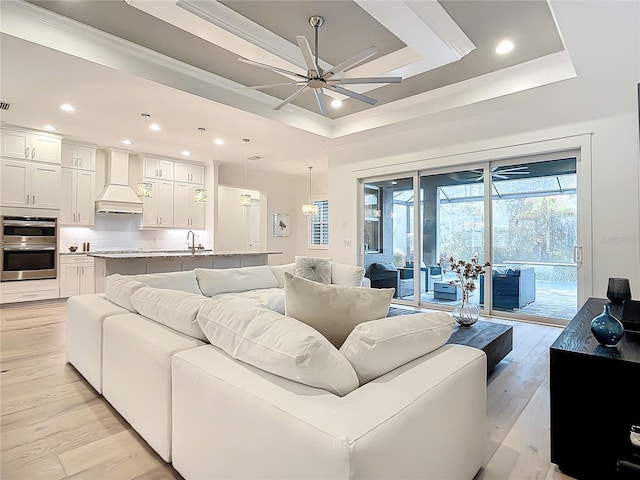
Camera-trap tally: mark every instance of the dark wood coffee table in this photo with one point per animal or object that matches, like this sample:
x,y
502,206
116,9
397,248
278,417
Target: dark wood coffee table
x,y
494,339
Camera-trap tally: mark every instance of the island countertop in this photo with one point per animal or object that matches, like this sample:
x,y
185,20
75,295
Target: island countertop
x,y
177,254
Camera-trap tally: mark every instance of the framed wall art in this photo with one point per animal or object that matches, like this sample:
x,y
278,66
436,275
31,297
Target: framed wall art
x,y
281,225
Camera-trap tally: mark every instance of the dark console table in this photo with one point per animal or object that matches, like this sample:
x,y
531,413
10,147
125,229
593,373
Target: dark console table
x,y
594,398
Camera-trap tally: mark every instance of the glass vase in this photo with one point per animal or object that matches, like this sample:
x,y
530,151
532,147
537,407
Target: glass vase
x,y
465,312
606,328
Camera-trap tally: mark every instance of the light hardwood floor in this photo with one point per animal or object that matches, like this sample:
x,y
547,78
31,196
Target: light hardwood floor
x,y
53,425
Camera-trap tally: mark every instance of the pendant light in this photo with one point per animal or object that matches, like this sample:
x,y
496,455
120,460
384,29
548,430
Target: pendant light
x,y
310,208
245,198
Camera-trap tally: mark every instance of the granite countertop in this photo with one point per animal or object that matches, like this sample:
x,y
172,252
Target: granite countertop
x,y
138,254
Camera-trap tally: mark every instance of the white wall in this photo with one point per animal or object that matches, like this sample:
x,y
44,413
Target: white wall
x,y
603,39
232,228
285,194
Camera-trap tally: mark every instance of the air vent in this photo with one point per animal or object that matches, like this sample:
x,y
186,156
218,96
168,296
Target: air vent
x,y
255,157
5,105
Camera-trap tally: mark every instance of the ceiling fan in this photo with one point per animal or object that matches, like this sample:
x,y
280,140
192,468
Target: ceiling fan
x,y
317,80
502,173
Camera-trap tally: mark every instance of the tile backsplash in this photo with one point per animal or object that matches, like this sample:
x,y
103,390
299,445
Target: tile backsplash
x,y
122,232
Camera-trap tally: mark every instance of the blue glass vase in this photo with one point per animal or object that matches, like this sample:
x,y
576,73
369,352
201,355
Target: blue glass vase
x,y
606,328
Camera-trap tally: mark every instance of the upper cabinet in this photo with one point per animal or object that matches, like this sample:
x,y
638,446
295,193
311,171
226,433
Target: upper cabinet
x,y
78,197
29,184
189,173
157,168
28,145
78,156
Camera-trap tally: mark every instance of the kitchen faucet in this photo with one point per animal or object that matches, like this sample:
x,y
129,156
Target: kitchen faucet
x,y
193,240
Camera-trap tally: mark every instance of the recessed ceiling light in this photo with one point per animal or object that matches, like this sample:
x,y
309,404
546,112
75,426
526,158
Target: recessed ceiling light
x,y
394,182
67,107
126,141
336,103
154,126
51,128
218,141
186,153
505,46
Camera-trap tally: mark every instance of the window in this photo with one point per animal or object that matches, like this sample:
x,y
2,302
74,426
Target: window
x,y
319,225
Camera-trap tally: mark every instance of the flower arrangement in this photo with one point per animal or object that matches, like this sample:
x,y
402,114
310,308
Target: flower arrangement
x,y
467,273
465,313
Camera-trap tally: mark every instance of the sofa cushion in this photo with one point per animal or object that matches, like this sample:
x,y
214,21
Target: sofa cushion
x,y
183,281
275,343
314,269
173,308
214,281
379,346
269,298
334,310
279,271
118,289
349,275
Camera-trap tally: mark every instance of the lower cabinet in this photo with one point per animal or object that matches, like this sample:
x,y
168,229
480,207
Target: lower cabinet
x,y
77,275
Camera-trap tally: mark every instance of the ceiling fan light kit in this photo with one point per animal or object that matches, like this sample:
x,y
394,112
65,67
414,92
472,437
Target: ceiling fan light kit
x,y
317,80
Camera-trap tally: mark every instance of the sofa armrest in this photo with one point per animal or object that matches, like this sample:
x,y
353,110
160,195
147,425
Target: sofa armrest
x,y
414,422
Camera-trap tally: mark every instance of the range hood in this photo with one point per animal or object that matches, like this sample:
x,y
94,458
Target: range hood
x,y
117,196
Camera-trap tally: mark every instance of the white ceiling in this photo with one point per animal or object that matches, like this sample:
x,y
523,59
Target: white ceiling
x,y
115,61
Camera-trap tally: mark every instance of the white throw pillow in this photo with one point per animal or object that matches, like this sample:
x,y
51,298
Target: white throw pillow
x,y
214,281
172,308
277,344
182,281
118,289
269,298
334,310
314,269
349,275
379,346
279,271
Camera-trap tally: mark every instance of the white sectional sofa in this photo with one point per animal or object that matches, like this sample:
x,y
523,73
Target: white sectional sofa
x,y
231,412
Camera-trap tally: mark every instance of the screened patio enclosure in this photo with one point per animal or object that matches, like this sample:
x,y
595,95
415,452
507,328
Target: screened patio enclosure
x,y
532,235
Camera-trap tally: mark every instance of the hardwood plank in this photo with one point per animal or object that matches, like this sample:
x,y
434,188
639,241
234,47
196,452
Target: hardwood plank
x,y
46,469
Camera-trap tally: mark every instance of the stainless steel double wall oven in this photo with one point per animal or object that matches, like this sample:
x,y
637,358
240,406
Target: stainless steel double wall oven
x,y
29,248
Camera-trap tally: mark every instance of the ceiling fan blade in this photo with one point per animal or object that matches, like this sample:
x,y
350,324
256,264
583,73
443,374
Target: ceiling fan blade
x,y
308,55
291,97
257,87
275,69
321,98
349,93
351,62
347,81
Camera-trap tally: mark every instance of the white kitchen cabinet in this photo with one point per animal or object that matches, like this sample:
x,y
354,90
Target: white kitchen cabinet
x,y
186,211
77,197
157,168
188,173
30,146
77,275
30,184
157,210
78,156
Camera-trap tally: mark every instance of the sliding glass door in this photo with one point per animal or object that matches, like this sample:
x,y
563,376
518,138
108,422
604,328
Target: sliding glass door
x,y
453,226
519,215
389,242
534,217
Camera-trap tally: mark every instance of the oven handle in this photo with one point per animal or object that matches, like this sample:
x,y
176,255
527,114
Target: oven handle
x,y
32,247
18,223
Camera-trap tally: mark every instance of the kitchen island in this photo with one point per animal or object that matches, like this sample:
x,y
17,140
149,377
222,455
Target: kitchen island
x,y
138,262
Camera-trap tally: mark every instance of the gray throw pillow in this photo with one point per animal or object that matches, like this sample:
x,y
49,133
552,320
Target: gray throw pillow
x,y
334,310
314,269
